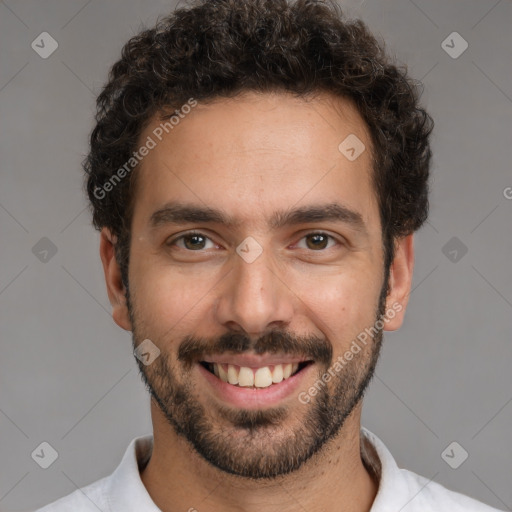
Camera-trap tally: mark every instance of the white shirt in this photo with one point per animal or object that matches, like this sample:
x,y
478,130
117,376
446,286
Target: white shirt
x,y
400,490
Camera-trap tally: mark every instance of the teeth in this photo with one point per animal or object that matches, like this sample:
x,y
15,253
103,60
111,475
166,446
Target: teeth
x,y
246,377
223,374
259,377
277,376
232,374
262,377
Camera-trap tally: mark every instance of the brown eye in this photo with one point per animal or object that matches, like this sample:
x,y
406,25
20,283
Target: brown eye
x,y
193,242
317,241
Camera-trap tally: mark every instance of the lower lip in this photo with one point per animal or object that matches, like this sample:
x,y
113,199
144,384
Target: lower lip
x,y
256,398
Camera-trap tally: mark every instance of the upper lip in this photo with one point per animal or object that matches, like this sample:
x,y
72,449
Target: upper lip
x,y
254,360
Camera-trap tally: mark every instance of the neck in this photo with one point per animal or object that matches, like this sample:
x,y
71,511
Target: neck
x,y
178,478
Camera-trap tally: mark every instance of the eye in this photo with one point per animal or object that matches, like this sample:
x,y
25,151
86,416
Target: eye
x,y
318,241
193,241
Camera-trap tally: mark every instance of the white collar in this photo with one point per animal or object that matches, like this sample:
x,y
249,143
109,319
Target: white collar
x,y
126,490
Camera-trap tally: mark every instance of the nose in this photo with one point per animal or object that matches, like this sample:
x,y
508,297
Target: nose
x,y
254,298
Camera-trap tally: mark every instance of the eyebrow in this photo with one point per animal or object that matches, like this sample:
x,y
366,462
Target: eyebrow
x,y
180,213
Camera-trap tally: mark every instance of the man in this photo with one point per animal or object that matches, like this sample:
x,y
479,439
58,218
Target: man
x,y
257,172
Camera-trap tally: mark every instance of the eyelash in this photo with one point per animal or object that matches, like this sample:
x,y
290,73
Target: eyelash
x,y
198,233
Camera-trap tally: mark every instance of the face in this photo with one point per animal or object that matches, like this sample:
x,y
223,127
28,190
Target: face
x,y
256,261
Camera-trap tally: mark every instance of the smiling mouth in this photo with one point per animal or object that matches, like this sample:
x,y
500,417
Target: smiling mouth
x,y
248,377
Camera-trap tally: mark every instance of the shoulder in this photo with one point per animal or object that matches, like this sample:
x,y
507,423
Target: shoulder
x,y
404,490
90,498
122,490
429,496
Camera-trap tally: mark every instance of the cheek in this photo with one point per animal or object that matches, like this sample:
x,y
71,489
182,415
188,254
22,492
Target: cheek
x,y
345,305
167,301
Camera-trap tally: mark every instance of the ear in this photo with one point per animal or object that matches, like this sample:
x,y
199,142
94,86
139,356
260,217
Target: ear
x,y
115,287
400,280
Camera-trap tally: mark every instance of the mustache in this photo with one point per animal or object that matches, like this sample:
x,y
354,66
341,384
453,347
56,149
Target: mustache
x,y
276,342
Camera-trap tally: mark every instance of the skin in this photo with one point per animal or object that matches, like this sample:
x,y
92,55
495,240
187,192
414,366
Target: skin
x,y
250,156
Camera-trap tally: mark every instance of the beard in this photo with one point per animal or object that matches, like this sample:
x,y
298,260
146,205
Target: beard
x,y
263,443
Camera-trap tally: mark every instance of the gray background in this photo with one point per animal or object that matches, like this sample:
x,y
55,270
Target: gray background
x,y
67,374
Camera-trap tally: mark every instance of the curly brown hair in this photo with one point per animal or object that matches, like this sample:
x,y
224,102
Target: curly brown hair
x,y
220,48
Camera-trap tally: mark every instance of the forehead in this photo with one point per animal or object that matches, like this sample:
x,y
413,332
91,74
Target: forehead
x,y
253,153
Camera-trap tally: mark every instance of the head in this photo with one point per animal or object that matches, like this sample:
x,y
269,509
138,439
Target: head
x,y
298,154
